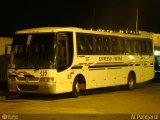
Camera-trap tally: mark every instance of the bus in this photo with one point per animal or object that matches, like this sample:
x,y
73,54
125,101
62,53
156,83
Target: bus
x,y
53,60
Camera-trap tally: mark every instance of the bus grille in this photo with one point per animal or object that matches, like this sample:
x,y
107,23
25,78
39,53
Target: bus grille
x,y
28,87
27,79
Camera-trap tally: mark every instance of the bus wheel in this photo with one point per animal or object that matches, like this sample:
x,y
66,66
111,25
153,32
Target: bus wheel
x,y
76,88
131,81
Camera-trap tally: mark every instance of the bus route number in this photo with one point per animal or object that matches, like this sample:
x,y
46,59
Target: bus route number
x,y
43,73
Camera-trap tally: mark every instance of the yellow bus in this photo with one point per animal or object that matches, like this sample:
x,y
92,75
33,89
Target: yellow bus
x,y
53,60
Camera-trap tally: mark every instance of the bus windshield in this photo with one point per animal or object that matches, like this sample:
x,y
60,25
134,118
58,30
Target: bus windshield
x,y
33,51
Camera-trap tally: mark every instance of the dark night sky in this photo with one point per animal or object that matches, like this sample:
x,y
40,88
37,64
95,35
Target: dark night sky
x,y
108,14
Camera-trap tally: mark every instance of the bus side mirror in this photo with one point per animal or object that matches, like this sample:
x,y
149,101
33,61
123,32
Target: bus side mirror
x,y
7,50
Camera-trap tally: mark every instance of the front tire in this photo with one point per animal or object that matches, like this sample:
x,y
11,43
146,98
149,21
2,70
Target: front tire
x,y
76,88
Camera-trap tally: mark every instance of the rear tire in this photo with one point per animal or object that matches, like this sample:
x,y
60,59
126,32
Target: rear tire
x,y
131,81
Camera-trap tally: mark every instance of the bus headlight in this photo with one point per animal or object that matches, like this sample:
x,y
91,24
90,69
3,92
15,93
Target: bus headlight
x,y
46,79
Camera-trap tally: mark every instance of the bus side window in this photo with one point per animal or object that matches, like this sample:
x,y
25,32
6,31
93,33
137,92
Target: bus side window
x,y
142,46
133,46
106,45
80,44
127,46
117,45
138,47
149,47
120,45
99,45
89,45
114,45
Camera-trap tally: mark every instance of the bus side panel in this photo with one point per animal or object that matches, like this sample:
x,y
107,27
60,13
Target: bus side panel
x,y
64,81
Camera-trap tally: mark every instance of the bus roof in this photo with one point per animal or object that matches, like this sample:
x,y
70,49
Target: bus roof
x,y
47,30
75,29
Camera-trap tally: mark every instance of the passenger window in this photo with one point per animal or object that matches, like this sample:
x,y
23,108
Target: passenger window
x,y
81,44
117,45
89,45
149,47
138,46
134,46
99,44
143,47
127,46
130,46
106,44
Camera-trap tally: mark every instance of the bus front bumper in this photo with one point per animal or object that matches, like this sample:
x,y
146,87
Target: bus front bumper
x,y
44,88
